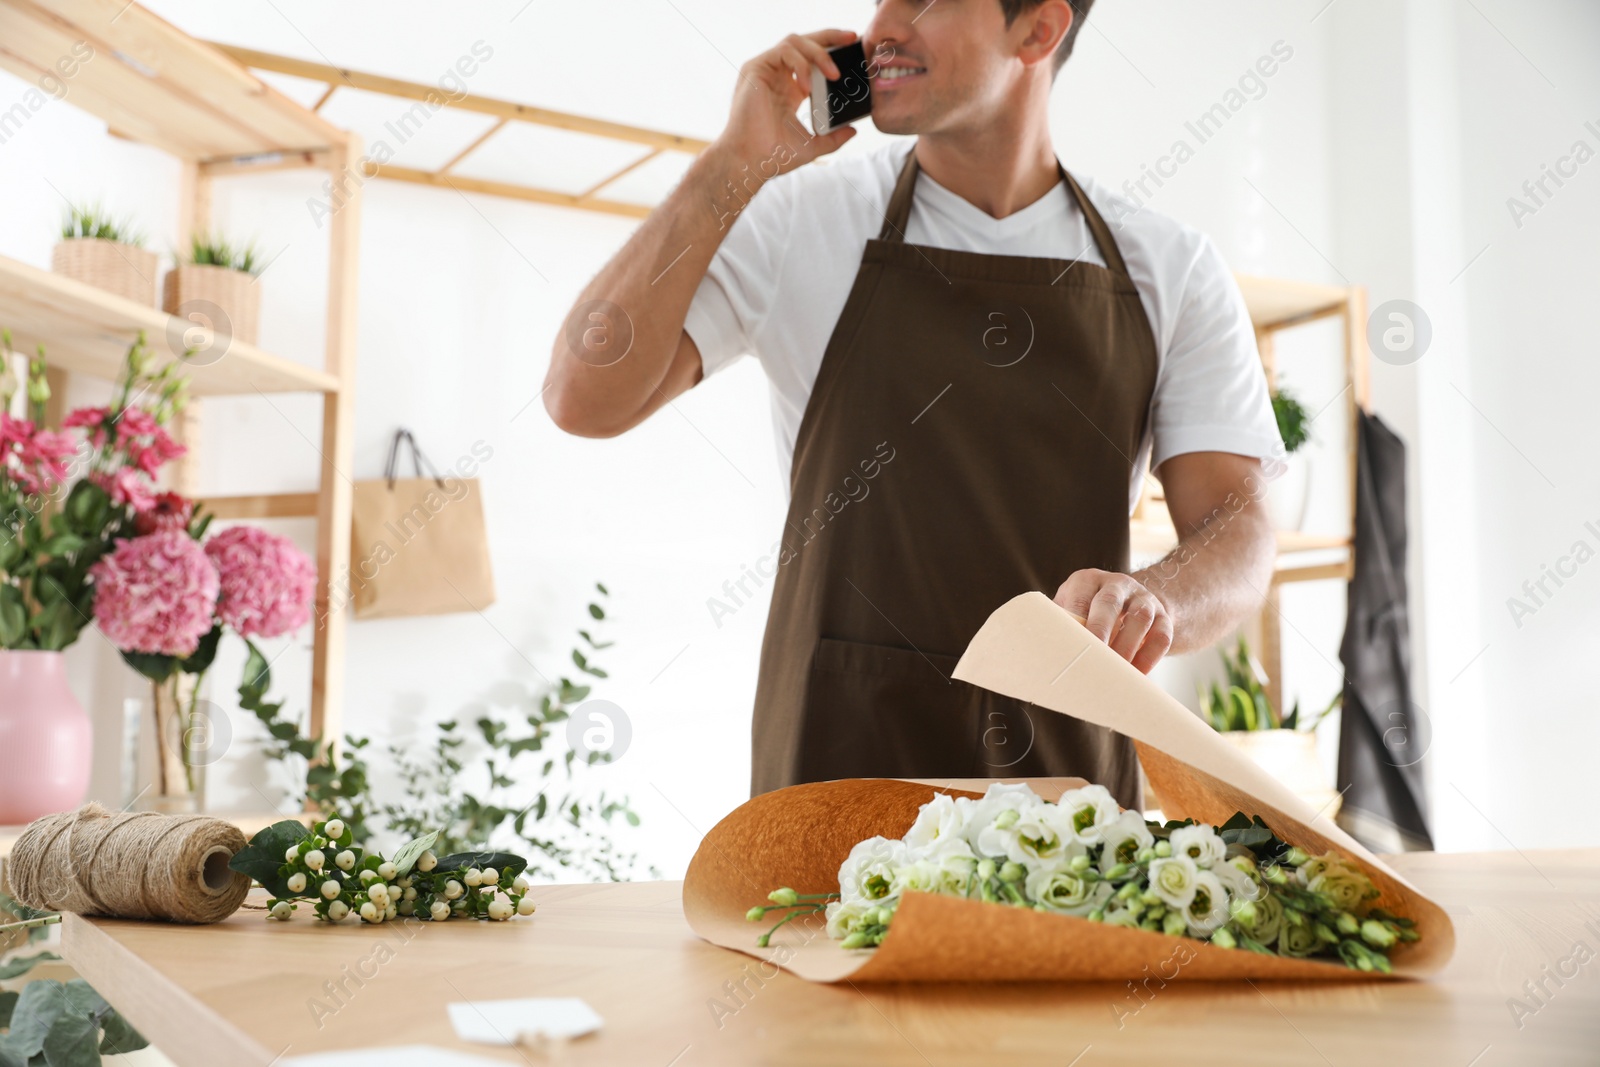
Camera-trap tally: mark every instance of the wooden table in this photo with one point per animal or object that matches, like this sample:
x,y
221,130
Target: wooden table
x,y
246,990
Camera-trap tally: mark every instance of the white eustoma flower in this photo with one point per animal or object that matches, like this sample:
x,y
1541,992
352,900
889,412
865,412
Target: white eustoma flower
x,y
1237,875
1207,909
1065,892
937,820
1037,837
1173,879
978,815
944,867
844,916
1123,837
868,872
1201,844
1088,812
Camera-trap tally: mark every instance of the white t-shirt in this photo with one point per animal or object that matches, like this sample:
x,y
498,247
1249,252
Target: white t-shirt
x,y
779,281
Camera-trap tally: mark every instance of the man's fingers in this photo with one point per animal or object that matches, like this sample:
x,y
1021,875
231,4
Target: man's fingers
x,y
1138,616
1079,588
1156,644
818,56
1104,611
833,140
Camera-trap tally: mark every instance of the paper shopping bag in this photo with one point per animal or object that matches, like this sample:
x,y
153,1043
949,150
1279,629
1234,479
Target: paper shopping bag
x,y
418,545
1032,650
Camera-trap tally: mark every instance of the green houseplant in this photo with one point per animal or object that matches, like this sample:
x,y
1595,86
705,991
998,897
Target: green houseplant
x,y
214,284
1290,493
106,252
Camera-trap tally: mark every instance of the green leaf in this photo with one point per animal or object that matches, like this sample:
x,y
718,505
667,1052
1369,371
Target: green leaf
x,y
597,611
603,590
262,859
153,665
199,661
58,626
81,995
73,1041
406,857
8,1001
13,616
23,964
120,1036
42,1002
87,509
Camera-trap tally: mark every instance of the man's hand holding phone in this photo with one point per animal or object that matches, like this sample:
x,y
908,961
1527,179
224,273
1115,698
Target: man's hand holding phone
x,y
763,132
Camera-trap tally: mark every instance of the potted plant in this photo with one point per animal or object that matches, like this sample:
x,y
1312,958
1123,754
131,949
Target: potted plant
x,y
1290,493
216,284
106,253
1283,746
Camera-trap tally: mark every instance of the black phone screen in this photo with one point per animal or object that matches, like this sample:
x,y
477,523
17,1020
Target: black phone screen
x,y
850,96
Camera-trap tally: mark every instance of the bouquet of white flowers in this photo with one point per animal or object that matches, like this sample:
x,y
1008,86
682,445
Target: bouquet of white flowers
x,y
1236,885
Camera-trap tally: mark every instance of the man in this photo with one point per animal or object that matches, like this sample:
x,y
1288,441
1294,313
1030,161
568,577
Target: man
x,y
968,371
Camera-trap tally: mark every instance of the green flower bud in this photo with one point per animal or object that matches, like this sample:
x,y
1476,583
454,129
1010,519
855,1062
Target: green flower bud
x,y
1347,923
1377,934
985,869
1007,819
1144,855
1223,939
1163,848
1173,924
1080,864
859,939
784,897
1244,911
1325,933
765,939
1012,872
755,914
1118,872
1296,856
1098,915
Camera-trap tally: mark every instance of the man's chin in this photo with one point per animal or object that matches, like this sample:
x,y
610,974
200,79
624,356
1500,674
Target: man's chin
x,y
896,124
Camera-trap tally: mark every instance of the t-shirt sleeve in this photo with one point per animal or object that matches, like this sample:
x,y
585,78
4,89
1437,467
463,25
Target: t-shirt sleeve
x,y
1211,395
741,284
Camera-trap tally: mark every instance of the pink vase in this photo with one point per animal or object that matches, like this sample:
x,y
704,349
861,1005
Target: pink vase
x,y
46,741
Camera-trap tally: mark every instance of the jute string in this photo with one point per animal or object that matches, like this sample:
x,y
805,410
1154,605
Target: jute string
x,y
129,865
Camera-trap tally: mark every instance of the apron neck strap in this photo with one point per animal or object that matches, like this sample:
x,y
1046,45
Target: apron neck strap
x,y
894,220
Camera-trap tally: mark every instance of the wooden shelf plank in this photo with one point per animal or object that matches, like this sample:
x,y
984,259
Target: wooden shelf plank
x,y
261,506
1154,538
152,82
1275,302
87,331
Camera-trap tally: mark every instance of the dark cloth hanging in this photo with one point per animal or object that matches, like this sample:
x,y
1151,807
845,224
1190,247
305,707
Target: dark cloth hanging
x,y
1383,736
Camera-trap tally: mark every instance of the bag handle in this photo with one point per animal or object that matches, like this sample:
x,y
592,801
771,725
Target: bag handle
x,y
418,460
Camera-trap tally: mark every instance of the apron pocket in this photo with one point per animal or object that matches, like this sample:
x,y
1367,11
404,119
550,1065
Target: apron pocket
x,y
875,711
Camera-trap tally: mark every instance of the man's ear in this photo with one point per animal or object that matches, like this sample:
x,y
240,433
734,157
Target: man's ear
x,y
1048,24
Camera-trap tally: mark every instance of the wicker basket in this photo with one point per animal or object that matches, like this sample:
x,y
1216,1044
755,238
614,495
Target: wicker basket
x,y
228,301
122,269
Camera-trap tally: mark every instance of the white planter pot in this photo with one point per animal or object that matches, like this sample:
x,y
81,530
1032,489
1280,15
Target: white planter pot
x,y
1290,756
1289,494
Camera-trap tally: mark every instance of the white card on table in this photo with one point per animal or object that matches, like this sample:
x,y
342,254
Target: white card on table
x,y
502,1022
398,1056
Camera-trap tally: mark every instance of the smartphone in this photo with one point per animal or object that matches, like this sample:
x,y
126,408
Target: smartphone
x,y
839,102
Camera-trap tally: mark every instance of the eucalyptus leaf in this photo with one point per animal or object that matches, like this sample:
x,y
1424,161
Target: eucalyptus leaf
x,y
42,1002
19,965
8,1001
120,1036
406,857
13,616
262,859
74,1041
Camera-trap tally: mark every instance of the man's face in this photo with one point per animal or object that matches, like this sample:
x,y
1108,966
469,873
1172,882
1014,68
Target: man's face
x,y
939,65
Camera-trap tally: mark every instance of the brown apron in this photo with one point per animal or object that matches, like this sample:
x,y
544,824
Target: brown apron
x,y
970,437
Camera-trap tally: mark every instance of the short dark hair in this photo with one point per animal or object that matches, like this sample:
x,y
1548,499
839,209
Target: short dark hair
x,y
1080,11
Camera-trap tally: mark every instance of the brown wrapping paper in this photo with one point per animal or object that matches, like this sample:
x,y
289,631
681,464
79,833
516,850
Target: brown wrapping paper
x,y
1032,650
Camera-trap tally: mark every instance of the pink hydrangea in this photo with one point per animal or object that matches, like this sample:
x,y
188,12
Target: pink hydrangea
x,y
267,583
156,594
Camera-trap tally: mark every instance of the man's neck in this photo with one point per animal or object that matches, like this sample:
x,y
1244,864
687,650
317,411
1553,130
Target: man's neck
x,y
999,169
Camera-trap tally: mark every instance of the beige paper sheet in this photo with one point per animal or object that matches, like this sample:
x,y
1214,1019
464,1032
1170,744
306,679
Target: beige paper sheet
x,y
1032,650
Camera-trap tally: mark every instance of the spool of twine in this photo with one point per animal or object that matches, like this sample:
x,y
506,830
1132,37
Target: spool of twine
x,y
129,865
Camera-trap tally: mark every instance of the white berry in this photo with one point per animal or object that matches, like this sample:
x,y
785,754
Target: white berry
x,y
390,912
520,884
439,911
297,883
378,894
491,876
474,877
403,883
292,854
369,876
525,906
408,893
427,861
338,910
331,888
407,907
452,889
387,871
314,859
369,912
334,829
281,910
345,859
500,908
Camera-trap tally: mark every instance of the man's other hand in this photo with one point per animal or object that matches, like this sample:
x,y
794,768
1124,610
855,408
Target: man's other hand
x,y
1121,612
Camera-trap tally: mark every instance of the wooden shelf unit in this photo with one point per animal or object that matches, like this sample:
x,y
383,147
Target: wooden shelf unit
x,y
1276,305
154,84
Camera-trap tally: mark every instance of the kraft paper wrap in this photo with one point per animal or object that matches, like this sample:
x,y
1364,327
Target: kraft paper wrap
x,y
1032,650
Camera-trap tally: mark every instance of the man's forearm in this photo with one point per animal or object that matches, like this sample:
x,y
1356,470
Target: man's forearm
x,y
1216,576
640,299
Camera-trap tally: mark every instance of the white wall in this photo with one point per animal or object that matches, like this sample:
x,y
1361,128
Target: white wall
x,y
1384,147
